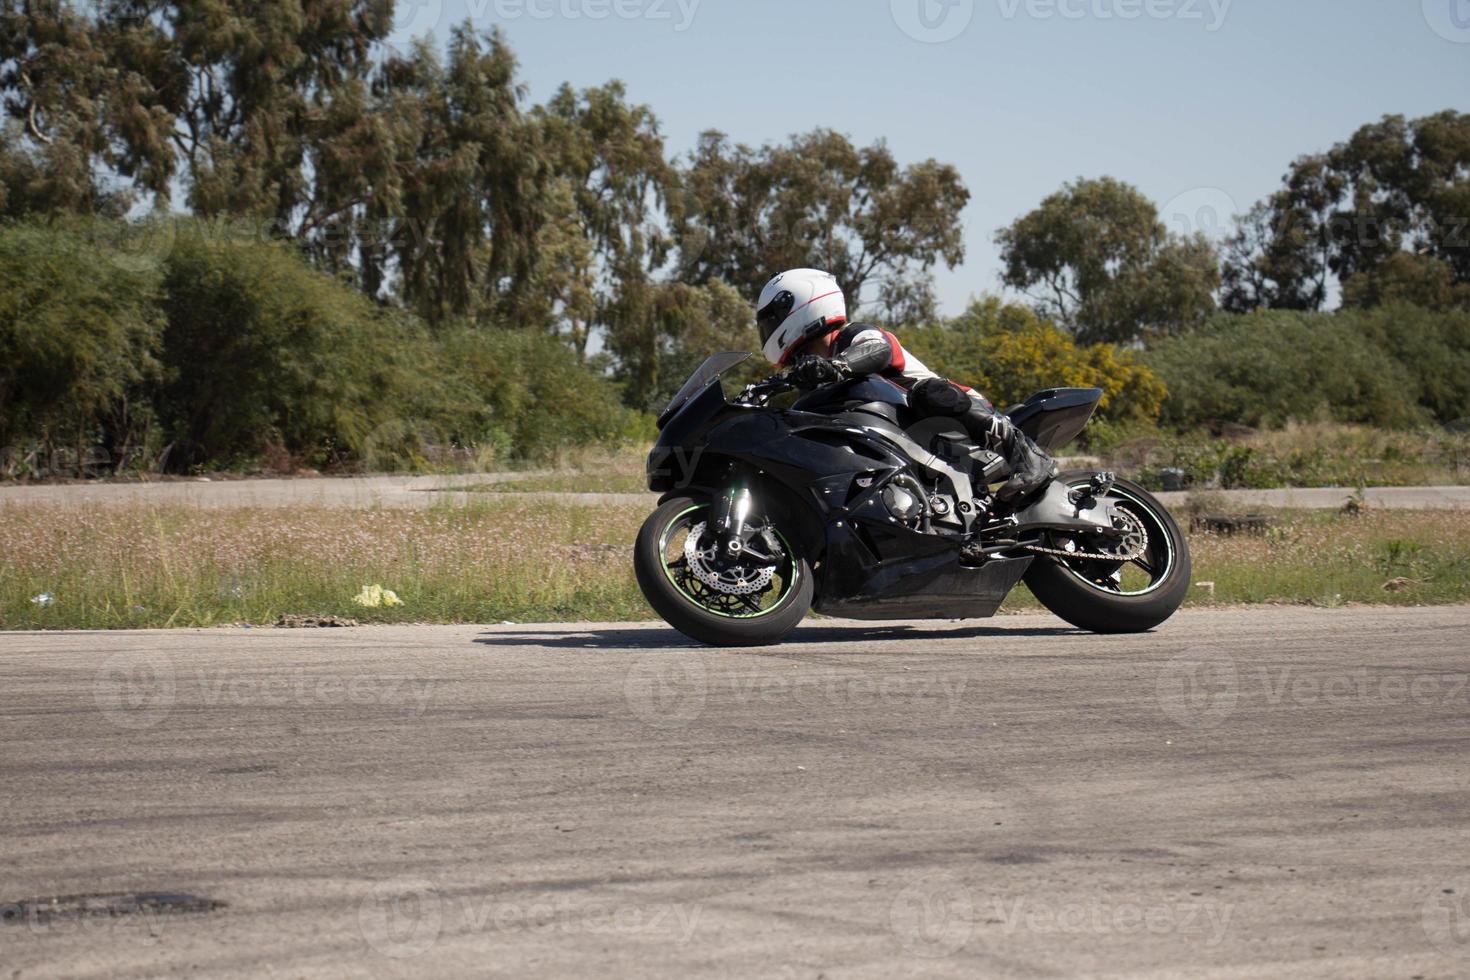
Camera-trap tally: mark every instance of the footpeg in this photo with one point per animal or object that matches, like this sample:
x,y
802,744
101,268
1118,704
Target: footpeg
x,y
1100,484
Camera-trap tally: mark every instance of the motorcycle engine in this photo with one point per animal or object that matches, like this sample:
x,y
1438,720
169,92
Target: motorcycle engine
x,y
902,504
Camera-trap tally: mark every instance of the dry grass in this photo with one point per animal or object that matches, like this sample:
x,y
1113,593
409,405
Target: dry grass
x,y
1326,558
1321,454
521,560
583,471
1299,454
136,566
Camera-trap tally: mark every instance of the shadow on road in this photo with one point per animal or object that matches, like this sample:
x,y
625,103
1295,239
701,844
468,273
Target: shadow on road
x,y
666,638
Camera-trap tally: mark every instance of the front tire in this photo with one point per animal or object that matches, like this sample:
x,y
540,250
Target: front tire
x,y
718,623
1083,592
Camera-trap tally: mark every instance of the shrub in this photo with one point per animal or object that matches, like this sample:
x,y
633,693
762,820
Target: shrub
x,y
531,397
1008,353
1433,347
264,354
1269,368
79,335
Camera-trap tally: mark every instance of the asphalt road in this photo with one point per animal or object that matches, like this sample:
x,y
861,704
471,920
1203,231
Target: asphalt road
x,y
411,492
1256,793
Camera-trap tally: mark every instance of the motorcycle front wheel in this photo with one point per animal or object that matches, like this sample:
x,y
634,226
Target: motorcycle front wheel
x,y
1130,596
721,604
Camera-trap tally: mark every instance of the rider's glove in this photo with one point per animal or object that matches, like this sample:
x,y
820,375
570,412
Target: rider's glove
x,y
813,372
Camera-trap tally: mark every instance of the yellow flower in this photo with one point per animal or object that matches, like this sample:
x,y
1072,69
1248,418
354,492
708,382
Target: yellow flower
x,y
376,597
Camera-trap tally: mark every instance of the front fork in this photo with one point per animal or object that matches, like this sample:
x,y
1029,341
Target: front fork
x,y
732,513
740,539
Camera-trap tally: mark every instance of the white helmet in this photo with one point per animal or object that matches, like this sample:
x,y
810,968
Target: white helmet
x,y
796,306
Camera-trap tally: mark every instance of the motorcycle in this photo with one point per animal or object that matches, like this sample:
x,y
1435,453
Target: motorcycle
x,y
848,504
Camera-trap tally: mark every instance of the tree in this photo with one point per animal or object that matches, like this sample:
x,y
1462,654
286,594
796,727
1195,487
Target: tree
x,y
610,166
660,332
462,211
55,88
1096,259
1383,213
818,201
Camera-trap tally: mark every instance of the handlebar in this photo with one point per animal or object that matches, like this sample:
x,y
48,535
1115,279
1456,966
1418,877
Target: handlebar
x,y
773,385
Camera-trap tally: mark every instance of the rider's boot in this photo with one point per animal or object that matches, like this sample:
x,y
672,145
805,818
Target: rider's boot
x,y
1031,468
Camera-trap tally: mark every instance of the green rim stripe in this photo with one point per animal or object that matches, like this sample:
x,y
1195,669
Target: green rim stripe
x,y
663,544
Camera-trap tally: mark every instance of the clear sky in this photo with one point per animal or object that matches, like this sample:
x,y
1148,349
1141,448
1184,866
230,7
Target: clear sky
x,y
1200,103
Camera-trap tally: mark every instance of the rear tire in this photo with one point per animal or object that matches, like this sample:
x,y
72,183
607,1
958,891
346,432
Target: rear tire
x,y
1088,606
681,612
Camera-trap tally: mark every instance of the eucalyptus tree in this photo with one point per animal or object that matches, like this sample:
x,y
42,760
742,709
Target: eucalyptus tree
x,y
1095,258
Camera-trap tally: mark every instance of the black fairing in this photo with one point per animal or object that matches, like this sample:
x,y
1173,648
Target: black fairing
x,y
681,440
878,572
871,394
1054,418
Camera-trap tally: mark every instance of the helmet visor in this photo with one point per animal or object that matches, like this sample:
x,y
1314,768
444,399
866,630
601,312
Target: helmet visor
x,y
773,314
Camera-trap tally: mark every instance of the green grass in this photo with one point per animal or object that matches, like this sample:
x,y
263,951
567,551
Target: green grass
x,y
510,558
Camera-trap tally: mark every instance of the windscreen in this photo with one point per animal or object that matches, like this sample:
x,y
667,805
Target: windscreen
x,y
707,372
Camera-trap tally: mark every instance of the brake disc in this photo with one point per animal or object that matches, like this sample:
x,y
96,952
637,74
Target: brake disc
x,y
740,580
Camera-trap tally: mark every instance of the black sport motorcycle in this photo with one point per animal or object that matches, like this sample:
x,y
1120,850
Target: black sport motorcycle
x,y
849,504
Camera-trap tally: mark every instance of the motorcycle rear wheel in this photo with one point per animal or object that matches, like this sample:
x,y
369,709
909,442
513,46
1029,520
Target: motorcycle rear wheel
x,y
706,614
1093,595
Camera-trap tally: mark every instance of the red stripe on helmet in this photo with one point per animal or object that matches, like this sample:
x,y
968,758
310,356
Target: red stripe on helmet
x,y
835,292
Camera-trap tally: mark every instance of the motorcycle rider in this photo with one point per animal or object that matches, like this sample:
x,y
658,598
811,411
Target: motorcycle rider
x,y
802,318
